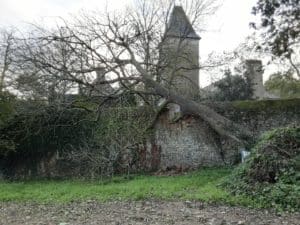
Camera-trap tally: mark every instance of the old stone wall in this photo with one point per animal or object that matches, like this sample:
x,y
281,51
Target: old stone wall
x,y
190,142
263,115
178,143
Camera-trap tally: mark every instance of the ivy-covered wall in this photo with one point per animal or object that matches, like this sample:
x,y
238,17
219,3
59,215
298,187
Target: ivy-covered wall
x,y
260,116
56,142
117,142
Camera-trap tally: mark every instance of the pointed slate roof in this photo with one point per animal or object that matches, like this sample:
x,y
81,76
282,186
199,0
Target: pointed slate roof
x,y
180,26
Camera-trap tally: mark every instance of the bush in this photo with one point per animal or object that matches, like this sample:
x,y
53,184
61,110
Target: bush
x,y
29,137
81,145
232,87
115,142
47,129
272,174
7,103
284,85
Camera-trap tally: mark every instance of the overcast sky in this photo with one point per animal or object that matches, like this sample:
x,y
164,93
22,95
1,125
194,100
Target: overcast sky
x,y
225,30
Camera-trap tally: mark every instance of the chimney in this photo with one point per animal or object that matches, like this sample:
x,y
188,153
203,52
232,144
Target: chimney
x,y
100,74
254,73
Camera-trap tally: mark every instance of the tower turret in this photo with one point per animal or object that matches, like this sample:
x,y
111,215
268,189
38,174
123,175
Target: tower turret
x,y
254,73
180,55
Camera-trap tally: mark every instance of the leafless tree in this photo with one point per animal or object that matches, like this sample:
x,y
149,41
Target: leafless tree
x,y
129,48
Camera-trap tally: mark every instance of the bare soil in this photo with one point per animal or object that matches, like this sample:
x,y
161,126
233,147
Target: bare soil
x,y
138,212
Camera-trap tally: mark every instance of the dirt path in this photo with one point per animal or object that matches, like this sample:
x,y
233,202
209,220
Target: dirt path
x,y
135,213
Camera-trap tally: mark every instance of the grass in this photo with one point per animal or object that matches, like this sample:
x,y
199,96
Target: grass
x,y
200,185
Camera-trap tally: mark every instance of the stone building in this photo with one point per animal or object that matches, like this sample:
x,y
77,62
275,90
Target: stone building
x,y
189,141
179,56
99,87
253,70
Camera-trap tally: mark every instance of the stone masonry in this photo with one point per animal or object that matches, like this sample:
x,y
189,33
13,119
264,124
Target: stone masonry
x,y
179,55
189,142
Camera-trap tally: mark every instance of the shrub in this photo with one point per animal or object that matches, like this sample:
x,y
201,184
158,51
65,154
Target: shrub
x,y
7,103
284,85
40,133
82,145
47,129
232,87
115,141
272,174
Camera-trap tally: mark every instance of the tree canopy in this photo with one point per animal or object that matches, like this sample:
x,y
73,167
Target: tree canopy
x,y
280,23
283,85
233,87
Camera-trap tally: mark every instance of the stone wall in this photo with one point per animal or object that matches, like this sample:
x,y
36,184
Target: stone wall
x,y
178,142
263,115
190,142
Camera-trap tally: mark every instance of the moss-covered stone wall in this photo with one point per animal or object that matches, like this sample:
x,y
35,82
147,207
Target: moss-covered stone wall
x,y
262,115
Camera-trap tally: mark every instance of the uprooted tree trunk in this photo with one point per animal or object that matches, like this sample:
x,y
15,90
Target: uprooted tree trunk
x,y
217,122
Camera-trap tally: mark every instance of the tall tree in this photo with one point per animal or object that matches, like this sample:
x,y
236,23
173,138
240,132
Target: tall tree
x,y
280,23
35,78
233,87
284,85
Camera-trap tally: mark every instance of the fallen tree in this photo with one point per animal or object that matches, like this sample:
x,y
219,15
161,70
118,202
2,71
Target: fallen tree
x,y
127,49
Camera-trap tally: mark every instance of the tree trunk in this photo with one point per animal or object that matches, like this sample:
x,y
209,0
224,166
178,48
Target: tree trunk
x,y
217,122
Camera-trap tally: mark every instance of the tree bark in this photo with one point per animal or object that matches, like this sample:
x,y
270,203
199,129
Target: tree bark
x,y
217,122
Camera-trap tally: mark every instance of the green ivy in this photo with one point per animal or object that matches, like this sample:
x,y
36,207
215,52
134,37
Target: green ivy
x,y
272,174
7,106
46,129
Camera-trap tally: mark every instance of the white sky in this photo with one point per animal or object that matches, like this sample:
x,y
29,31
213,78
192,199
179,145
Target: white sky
x,y
225,30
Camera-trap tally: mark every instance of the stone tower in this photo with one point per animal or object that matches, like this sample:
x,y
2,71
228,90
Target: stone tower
x,y
180,55
254,73
99,87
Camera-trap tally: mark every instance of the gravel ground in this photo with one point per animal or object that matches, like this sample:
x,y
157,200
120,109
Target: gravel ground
x,y
140,212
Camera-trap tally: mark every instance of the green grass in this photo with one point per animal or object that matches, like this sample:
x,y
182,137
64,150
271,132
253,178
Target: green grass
x,y
200,185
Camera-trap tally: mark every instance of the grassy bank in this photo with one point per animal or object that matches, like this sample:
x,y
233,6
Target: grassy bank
x,y
200,185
